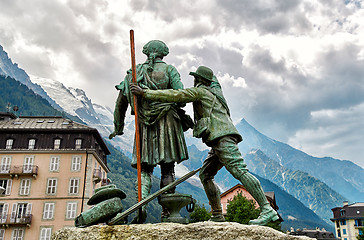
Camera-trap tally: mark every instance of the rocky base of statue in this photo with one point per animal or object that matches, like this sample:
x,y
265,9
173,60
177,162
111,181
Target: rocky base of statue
x,y
162,231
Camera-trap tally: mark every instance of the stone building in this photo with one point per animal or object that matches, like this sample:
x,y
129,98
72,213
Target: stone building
x,y
348,220
49,167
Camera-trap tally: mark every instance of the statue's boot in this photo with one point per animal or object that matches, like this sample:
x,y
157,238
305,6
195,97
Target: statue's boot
x,y
267,213
213,194
167,177
146,186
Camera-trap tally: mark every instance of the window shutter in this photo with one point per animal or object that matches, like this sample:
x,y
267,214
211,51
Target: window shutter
x,y
5,212
13,213
29,209
8,187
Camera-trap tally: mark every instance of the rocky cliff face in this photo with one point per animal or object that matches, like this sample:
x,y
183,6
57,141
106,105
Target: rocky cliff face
x,y
162,231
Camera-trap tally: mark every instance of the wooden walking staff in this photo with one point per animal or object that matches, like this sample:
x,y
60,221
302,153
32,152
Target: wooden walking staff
x,y
137,135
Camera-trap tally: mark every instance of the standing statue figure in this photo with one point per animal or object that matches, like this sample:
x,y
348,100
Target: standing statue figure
x,y
214,125
161,134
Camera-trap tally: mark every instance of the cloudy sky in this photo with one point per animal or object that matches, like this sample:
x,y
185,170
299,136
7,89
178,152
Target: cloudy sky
x,y
293,69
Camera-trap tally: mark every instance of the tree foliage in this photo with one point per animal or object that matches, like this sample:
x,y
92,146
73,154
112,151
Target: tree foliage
x,y
199,214
242,210
361,235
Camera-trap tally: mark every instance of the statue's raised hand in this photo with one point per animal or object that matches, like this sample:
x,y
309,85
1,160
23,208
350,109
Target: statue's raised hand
x,y
136,90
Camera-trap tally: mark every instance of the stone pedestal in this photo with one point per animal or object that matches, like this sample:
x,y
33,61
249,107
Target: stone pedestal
x,y
162,231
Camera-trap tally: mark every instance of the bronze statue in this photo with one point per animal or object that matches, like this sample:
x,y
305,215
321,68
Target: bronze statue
x,y
214,125
161,134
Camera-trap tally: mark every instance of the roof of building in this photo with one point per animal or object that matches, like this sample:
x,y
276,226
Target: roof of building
x,y
42,123
268,194
349,211
46,124
232,189
5,115
318,234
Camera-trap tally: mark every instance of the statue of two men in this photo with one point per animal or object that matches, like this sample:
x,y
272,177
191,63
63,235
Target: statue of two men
x,y
214,125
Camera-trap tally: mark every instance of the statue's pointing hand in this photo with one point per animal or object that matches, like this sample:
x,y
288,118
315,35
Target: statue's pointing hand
x,y
136,90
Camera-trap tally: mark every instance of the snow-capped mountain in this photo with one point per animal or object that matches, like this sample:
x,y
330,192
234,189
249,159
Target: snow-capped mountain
x,y
74,101
8,68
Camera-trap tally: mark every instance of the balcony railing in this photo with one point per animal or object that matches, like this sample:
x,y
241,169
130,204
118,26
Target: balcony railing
x,y
97,175
15,171
15,219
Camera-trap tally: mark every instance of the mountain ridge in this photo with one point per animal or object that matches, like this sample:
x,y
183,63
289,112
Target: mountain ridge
x,y
331,171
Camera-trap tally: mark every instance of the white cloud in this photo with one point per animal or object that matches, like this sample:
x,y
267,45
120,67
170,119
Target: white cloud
x,y
333,132
282,65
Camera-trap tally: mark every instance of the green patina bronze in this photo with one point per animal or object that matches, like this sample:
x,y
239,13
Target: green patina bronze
x,y
161,132
105,192
119,217
107,204
174,202
100,213
214,125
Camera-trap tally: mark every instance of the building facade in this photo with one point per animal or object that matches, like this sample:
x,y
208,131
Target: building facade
x,y
49,167
348,220
228,195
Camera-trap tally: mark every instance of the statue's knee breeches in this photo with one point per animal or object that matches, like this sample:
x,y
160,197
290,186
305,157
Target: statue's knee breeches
x,y
229,155
210,167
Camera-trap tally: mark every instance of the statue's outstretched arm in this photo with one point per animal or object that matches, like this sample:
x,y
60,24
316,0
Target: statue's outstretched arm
x,y
119,115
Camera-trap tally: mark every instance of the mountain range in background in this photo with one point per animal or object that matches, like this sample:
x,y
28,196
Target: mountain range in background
x,y
301,182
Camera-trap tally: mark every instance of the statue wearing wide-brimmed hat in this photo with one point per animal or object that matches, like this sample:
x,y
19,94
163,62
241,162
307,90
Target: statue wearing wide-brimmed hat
x,y
214,125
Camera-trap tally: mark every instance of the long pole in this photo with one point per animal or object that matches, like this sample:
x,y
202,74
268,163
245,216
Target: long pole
x,y
137,136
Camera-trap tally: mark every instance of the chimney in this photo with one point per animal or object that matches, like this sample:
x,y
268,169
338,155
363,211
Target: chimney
x,y
345,203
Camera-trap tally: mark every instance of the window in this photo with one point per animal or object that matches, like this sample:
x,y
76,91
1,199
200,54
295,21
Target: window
x,y
18,234
71,210
6,183
20,212
48,211
24,187
344,231
54,164
78,143
45,233
73,186
342,212
5,164
51,186
4,208
337,224
57,143
2,234
343,222
76,163
28,164
31,144
9,143
358,223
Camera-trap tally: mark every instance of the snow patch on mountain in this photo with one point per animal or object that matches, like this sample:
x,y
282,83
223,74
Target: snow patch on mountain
x,y
74,101
59,93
